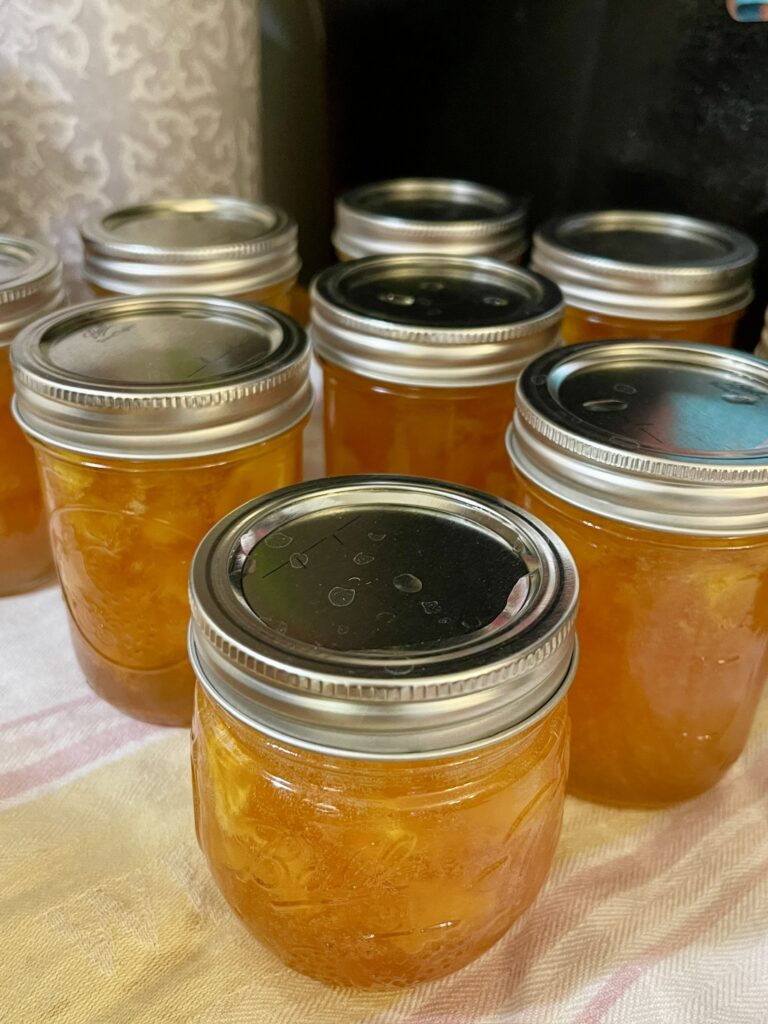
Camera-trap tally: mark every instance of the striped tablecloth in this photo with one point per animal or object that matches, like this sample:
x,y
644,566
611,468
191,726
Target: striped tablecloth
x,y
108,915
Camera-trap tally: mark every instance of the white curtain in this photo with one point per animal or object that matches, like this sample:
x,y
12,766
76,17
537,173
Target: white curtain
x,y
105,102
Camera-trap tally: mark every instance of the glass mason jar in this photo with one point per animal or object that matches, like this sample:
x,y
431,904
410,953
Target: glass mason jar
x,y
380,742
30,285
209,246
633,274
651,461
151,418
436,215
420,355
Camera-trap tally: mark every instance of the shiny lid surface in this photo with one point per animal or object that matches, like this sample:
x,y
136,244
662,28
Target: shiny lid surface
x,y
433,321
672,435
437,215
643,265
30,283
161,376
219,244
383,617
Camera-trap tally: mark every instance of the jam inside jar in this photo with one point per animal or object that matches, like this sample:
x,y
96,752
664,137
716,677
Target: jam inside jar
x,y
636,274
206,246
367,821
420,356
151,419
30,285
650,462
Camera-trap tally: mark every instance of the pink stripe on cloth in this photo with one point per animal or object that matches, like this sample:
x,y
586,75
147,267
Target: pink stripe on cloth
x,y
54,709
90,749
570,897
678,938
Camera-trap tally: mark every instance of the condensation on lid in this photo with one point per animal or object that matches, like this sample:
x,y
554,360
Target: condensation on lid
x,y
642,264
218,243
429,215
433,320
670,435
383,616
30,283
161,375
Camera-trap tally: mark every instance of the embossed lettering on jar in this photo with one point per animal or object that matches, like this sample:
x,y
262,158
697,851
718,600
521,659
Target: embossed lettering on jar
x,y
437,215
420,355
208,246
634,274
151,419
651,461
30,286
380,743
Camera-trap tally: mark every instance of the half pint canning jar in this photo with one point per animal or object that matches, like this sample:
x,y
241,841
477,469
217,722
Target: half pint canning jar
x,y
209,246
634,274
30,286
420,355
380,741
152,418
651,461
417,215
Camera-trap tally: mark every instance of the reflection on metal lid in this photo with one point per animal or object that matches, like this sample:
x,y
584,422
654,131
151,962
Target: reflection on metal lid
x,y
409,215
161,376
670,435
643,265
218,244
433,320
30,283
383,616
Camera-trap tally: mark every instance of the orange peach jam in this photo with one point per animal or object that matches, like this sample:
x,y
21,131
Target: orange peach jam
x,y
152,418
30,286
420,355
651,462
634,274
210,246
370,822
436,215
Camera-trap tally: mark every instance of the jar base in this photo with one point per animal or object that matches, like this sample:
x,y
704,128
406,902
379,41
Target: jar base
x,y
45,579
161,696
650,804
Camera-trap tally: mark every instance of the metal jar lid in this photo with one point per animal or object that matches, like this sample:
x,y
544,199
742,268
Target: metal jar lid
x,y
30,283
217,245
433,321
436,215
161,376
668,435
651,266
383,617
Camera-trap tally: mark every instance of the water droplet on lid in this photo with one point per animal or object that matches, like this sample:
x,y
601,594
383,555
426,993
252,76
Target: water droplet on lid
x,y
298,560
353,579
625,389
278,540
431,607
397,298
444,621
431,286
495,300
362,559
385,618
604,405
341,630
376,537
471,622
407,583
740,398
340,597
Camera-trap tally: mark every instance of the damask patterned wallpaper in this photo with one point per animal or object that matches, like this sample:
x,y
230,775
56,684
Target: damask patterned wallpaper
x,y
104,102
